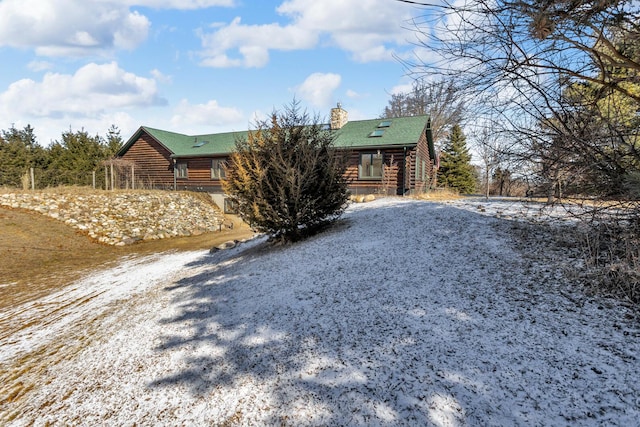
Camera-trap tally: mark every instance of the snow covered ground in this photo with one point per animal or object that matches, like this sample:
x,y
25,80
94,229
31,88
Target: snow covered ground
x,y
405,313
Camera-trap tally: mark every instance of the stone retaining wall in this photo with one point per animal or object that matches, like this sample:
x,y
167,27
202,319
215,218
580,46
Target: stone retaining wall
x,y
122,218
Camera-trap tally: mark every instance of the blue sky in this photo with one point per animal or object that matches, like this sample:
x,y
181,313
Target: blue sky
x,y
195,66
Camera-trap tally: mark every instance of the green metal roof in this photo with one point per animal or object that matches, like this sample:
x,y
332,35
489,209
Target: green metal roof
x,y
196,145
402,131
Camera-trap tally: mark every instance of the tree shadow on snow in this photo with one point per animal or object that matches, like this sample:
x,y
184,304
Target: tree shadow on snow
x,y
385,322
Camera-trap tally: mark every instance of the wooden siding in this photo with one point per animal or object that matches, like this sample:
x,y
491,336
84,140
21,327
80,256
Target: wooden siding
x,y
415,162
199,176
154,169
392,177
153,164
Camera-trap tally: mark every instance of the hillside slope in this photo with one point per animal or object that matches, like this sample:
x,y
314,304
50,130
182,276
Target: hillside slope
x,y
46,243
406,313
121,218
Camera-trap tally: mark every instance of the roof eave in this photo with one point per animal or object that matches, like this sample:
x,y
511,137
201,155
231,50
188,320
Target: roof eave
x,y
199,156
122,151
350,147
377,146
430,143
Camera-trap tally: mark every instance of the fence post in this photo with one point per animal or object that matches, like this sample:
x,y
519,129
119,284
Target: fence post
x,y
112,178
175,187
33,180
133,177
93,176
106,178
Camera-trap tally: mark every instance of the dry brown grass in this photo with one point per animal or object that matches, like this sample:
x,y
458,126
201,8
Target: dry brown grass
x,y
79,190
39,255
439,194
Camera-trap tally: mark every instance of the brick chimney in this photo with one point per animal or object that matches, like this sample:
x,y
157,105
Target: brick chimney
x,y
339,117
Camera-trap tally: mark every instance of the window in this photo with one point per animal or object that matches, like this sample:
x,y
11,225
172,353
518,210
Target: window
x,y
421,169
385,124
181,170
217,169
370,166
377,133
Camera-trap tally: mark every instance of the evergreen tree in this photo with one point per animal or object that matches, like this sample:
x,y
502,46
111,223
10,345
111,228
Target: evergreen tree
x,y
598,134
76,157
19,152
285,178
456,170
114,141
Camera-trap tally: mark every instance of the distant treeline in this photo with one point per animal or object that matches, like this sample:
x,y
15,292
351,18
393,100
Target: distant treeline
x,y
69,161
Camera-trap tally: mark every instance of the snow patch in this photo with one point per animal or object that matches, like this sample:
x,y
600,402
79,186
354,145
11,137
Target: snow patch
x,y
409,313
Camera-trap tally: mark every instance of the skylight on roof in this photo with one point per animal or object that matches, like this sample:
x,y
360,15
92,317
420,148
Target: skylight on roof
x,y
200,144
377,133
385,124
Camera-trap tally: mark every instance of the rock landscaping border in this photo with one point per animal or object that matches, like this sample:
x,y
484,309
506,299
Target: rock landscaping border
x,y
124,218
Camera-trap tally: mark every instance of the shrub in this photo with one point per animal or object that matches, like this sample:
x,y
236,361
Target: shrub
x,y
286,178
612,257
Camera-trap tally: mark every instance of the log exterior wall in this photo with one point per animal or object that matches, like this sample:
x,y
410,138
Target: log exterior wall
x,y
153,163
419,167
392,176
406,170
199,175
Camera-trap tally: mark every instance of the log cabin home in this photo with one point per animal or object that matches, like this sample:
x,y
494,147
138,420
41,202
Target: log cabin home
x,y
393,156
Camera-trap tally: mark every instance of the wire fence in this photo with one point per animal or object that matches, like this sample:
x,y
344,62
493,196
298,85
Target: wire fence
x,y
108,177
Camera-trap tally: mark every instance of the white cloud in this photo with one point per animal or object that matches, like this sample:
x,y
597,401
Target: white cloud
x,y
93,98
259,116
181,4
76,28
251,43
371,30
70,27
208,114
368,29
38,66
402,88
91,91
160,77
124,121
318,88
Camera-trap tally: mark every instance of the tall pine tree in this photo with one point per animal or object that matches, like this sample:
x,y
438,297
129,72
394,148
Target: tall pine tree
x,y
456,170
75,157
19,151
113,141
